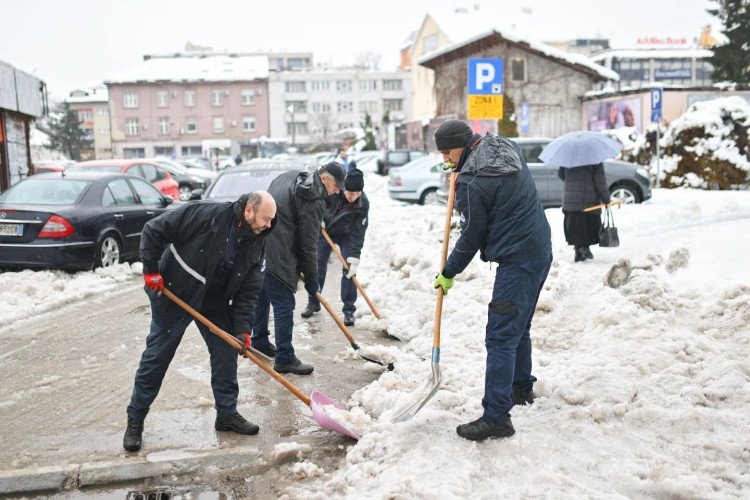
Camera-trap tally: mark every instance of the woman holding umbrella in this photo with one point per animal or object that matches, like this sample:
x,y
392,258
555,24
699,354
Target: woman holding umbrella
x,y
579,156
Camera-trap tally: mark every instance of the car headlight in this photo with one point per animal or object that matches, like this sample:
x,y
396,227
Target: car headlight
x,y
642,172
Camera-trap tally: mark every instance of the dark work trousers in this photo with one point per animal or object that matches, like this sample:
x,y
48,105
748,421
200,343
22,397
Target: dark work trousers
x,y
348,288
164,336
275,294
514,298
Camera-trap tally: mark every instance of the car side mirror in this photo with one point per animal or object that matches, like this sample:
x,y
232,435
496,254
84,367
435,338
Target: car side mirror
x,y
166,201
196,194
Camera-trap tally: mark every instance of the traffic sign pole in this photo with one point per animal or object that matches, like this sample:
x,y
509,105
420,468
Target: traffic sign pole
x,y
657,95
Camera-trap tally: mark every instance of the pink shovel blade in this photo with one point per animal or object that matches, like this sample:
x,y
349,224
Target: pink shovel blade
x,y
318,399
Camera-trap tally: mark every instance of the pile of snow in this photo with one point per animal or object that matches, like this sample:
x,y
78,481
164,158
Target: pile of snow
x,y
643,389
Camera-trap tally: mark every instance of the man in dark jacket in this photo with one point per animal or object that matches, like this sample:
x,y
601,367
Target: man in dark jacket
x,y
346,223
211,255
503,219
291,250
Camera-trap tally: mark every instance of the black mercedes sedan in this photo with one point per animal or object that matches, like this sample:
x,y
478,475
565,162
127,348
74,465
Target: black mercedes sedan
x,y
75,220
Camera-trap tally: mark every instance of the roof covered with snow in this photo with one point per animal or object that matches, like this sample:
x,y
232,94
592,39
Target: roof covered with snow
x,y
652,54
465,29
194,68
96,94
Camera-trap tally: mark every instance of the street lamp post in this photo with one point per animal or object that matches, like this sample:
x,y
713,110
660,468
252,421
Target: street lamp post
x,y
290,110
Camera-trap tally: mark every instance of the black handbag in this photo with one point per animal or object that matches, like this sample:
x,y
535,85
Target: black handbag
x,y
607,231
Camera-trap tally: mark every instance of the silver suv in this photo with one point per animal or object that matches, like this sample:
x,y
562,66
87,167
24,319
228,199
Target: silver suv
x,y
627,182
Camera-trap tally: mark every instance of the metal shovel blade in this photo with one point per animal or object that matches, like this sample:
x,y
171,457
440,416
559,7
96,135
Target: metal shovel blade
x,y
318,399
425,394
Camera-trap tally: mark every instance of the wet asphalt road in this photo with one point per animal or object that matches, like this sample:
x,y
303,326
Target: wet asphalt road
x,y
68,374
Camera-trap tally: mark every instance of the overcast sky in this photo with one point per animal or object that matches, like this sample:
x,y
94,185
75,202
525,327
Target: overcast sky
x,y
77,43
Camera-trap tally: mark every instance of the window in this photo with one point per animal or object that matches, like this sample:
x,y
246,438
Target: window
x,y
320,86
146,192
218,124
343,85
430,43
192,151
320,107
368,85
344,126
164,126
130,153
298,62
299,128
190,98
217,97
248,97
531,152
393,104
108,199
121,192
392,85
130,100
163,150
518,69
85,115
344,106
295,86
132,126
299,106
191,127
162,99
248,124
368,106
151,173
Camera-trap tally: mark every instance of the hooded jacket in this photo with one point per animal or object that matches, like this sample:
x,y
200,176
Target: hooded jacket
x,y
292,247
187,246
348,220
501,215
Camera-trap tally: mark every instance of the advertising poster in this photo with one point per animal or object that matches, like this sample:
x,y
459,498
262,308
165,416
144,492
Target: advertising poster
x,y
614,114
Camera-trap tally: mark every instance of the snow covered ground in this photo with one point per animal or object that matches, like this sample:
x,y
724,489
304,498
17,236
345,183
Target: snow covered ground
x,y
644,388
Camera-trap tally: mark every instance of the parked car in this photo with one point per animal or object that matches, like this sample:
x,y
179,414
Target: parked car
x,y
152,172
397,158
367,160
44,166
250,176
417,181
627,182
222,161
196,162
188,178
75,220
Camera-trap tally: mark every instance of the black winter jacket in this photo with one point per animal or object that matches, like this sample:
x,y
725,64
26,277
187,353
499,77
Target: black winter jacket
x,y
292,247
348,220
501,215
186,246
583,187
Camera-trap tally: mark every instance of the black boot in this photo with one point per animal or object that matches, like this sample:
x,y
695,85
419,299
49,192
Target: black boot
x,y
235,423
587,253
521,398
580,255
297,367
349,319
133,435
481,429
311,309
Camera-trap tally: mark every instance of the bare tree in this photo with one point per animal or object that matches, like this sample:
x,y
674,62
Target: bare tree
x,y
368,60
323,124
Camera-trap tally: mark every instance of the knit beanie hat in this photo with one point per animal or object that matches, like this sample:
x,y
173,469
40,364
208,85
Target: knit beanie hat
x,y
355,181
452,134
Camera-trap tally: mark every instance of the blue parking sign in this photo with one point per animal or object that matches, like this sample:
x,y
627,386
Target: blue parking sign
x,y
485,76
656,97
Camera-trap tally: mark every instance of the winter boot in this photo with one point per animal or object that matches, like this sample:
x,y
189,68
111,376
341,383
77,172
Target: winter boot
x,y
235,423
349,319
580,254
133,435
587,253
481,429
521,398
297,367
310,309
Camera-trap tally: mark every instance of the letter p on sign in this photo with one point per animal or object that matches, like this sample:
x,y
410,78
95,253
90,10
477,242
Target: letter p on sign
x,y
485,75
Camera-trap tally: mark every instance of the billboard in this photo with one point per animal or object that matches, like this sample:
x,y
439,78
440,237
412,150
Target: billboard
x,y
614,114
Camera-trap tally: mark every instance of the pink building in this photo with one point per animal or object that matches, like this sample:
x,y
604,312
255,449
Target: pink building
x,y
190,105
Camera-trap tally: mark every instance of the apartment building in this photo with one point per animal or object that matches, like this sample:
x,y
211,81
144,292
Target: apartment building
x,y
92,107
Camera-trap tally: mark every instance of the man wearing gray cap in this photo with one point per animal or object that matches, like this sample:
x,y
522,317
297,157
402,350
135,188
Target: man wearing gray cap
x,y
503,219
301,198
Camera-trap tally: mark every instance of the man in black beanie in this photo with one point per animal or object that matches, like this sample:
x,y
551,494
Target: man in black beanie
x,y
503,219
346,223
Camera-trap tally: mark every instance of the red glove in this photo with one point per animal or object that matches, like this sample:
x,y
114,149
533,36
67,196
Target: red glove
x,y
244,338
154,281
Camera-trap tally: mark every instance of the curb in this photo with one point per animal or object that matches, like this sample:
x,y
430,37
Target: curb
x,y
103,473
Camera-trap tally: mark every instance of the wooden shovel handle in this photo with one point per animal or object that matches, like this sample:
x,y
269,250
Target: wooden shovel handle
x,y
444,257
337,319
236,343
354,278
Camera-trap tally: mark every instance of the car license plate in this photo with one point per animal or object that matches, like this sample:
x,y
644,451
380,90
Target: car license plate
x,y
11,229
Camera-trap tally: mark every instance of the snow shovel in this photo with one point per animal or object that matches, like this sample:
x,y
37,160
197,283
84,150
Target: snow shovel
x,y
354,278
603,205
316,399
347,333
432,385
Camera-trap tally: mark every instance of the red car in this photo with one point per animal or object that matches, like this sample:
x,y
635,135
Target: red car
x,y
152,172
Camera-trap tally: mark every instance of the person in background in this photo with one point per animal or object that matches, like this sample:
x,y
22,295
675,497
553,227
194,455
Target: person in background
x,y
342,157
212,256
238,159
292,249
346,223
503,219
583,187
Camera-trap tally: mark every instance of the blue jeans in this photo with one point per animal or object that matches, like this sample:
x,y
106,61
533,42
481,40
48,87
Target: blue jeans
x,y
164,336
348,288
514,298
276,294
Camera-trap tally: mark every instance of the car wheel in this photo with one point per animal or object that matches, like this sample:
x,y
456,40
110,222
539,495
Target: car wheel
x,y
429,197
108,251
185,193
625,194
